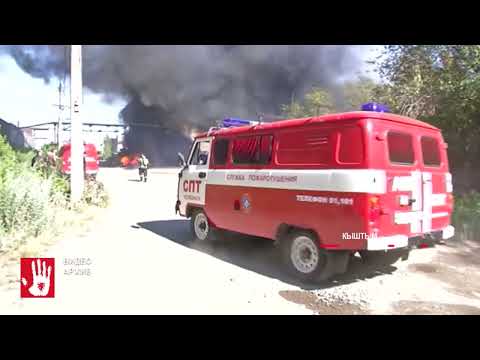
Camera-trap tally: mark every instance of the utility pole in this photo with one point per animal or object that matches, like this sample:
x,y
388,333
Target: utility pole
x,y
60,126
60,113
76,99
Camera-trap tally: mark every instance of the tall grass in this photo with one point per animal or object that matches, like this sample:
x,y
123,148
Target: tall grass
x,y
28,199
34,198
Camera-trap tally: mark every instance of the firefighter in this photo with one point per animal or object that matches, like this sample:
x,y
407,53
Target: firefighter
x,y
35,158
143,167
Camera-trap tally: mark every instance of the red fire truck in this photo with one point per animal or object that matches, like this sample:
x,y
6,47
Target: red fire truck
x,y
91,159
324,188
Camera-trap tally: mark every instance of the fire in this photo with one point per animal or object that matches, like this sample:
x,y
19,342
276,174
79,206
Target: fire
x,y
124,161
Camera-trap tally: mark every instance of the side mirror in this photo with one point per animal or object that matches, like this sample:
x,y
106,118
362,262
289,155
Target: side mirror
x,y
181,159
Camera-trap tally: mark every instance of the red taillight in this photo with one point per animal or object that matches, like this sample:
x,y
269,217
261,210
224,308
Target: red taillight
x,y
450,198
374,210
373,200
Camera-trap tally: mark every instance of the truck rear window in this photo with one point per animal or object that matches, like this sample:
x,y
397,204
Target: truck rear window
x,y
400,148
430,151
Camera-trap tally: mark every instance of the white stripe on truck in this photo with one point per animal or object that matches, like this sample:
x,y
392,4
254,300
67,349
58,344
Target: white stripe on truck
x,y
448,182
352,180
439,199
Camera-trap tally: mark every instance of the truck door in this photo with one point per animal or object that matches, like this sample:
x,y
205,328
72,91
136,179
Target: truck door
x,y
405,193
436,210
418,190
193,179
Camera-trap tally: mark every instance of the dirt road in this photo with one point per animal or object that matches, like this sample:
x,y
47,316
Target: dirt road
x,y
138,260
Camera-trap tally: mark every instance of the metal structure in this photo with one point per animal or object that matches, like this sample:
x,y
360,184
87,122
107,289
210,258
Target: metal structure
x,y
76,101
61,107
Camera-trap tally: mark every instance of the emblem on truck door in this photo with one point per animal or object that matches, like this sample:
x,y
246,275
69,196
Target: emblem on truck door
x,y
246,202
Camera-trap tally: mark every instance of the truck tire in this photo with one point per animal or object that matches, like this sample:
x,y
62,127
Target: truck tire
x,y
304,259
383,258
201,229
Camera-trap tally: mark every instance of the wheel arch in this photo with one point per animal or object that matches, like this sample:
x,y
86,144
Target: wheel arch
x,y
193,207
190,208
285,229
337,260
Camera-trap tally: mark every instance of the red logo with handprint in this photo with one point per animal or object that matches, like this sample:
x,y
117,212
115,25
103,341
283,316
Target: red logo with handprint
x,y
37,277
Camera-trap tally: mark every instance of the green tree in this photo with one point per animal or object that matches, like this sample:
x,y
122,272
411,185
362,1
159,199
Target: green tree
x,y
316,102
439,84
358,92
107,148
319,102
294,110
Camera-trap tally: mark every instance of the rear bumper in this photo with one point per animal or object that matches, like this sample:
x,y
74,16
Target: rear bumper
x,y
448,232
387,242
403,241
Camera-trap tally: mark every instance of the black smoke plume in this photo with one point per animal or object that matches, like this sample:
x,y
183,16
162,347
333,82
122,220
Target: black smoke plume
x,y
191,87
160,141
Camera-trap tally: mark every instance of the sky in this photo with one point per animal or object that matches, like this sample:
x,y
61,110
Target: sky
x,y
29,101
365,53
25,100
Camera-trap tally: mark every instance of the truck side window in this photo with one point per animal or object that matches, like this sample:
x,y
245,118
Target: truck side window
x,y
252,150
200,153
220,151
311,147
400,148
351,146
430,152
265,151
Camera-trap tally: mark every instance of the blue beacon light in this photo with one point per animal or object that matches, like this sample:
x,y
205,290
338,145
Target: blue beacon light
x,y
375,107
233,122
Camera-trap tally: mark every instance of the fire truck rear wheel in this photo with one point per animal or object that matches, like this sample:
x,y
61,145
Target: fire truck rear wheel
x,y
304,258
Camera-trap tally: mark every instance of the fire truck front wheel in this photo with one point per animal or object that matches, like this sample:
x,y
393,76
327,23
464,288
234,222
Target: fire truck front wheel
x,y
200,227
304,258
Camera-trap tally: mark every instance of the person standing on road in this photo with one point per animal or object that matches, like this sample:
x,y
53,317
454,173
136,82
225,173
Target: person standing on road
x,y
143,167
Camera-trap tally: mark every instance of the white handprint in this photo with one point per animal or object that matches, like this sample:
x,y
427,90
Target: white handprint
x,y
41,280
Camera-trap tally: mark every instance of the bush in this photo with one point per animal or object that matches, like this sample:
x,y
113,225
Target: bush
x,y
24,206
28,196
34,194
466,216
47,162
7,159
95,194
60,185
